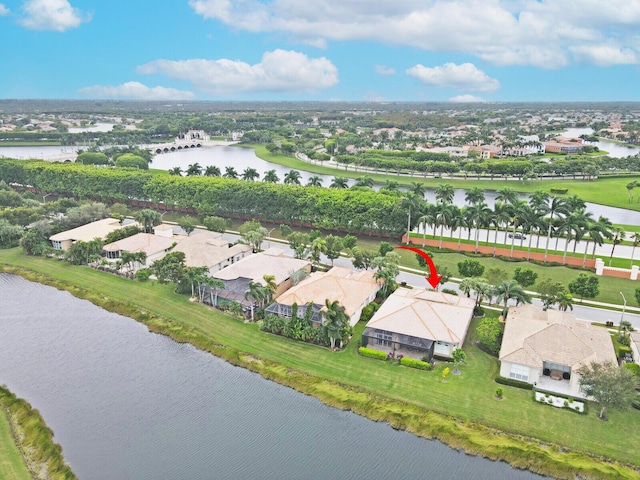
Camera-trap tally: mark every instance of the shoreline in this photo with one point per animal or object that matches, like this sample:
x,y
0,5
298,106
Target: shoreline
x,y
474,438
42,457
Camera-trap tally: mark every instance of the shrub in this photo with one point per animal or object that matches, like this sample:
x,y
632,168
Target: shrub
x,y
623,350
559,191
512,382
129,160
633,368
412,362
499,392
449,291
143,274
490,334
371,353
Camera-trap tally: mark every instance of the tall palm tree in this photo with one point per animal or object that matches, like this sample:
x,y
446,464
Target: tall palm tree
x,y
444,217
271,285
177,171
314,181
254,293
194,170
445,193
517,213
418,188
216,285
250,174
636,239
230,172
569,226
335,319
410,202
564,301
618,236
270,176
474,196
478,213
391,186
212,171
339,182
292,177
557,206
507,195
501,217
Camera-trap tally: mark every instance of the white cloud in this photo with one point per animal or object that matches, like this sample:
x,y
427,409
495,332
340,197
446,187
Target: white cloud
x,y
278,71
382,70
464,77
4,10
544,33
466,99
605,55
135,91
57,15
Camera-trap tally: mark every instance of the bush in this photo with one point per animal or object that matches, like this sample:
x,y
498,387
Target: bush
x,y
490,334
633,368
412,362
559,191
371,353
449,291
143,274
128,160
499,392
512,382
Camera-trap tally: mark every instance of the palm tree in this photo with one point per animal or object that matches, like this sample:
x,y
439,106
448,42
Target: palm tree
x,y
270,176
177,171
466,285
364,181
318,247
254,293
478,213
314,181
418,188
618,236
564,301
517,213
148,219
636,239
444,217
271,285
445,193
510,289
507,195
335,319
531,222
292,177
501,217
212,171
214,284
391,186
630,187
474,196
194,170
556,207
411,201
230,172
339,182
250,174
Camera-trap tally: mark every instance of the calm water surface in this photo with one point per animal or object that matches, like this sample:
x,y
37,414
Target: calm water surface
x,y
128,404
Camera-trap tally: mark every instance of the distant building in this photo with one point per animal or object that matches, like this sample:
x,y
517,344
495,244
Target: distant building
x,y
207,249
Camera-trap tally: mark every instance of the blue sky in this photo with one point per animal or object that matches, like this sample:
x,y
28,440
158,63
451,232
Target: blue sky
x,y
406,50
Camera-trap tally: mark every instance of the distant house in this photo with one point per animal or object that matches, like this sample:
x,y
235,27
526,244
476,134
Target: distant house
x,y
85,233
418,323
545,348
354,290
208,249
236,277
154,246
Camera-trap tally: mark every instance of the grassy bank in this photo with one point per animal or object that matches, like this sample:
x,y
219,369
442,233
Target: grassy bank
x,y
605,191
461,413
25,143
27,449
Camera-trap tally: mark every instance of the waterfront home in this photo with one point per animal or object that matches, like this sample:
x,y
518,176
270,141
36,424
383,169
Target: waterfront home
x,y
207,249
419,323
253,268
85,233
352,289
154,246
545,348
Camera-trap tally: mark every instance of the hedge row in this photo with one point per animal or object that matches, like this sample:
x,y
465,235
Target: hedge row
x,y
369,352
514,383
412,362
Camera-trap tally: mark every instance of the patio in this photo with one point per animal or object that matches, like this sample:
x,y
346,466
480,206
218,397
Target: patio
x,y
561,387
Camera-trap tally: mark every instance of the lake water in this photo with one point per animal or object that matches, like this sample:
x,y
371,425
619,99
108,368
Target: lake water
x,y
126,404
615,149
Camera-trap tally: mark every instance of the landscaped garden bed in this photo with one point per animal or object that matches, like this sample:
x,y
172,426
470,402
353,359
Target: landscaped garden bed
x,y
560,402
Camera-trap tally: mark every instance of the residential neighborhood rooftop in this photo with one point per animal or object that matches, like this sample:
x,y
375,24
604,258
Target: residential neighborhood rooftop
x,y
141,242
86,233
255,266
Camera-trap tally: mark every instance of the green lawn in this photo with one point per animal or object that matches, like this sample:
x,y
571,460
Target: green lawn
x,y
362,384
12,466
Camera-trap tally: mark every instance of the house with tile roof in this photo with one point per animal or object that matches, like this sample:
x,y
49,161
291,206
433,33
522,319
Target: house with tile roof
x,y
154,246
353,289
419,323
546,347
207,249
85,233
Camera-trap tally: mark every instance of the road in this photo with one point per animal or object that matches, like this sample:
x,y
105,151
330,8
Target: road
x,y
583,312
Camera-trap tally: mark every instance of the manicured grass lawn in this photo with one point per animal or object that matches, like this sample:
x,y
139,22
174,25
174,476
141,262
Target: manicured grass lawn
x,y
468,397
12,466
605,191
16,143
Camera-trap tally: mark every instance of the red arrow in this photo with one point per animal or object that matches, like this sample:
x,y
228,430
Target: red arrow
x,y
433,278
